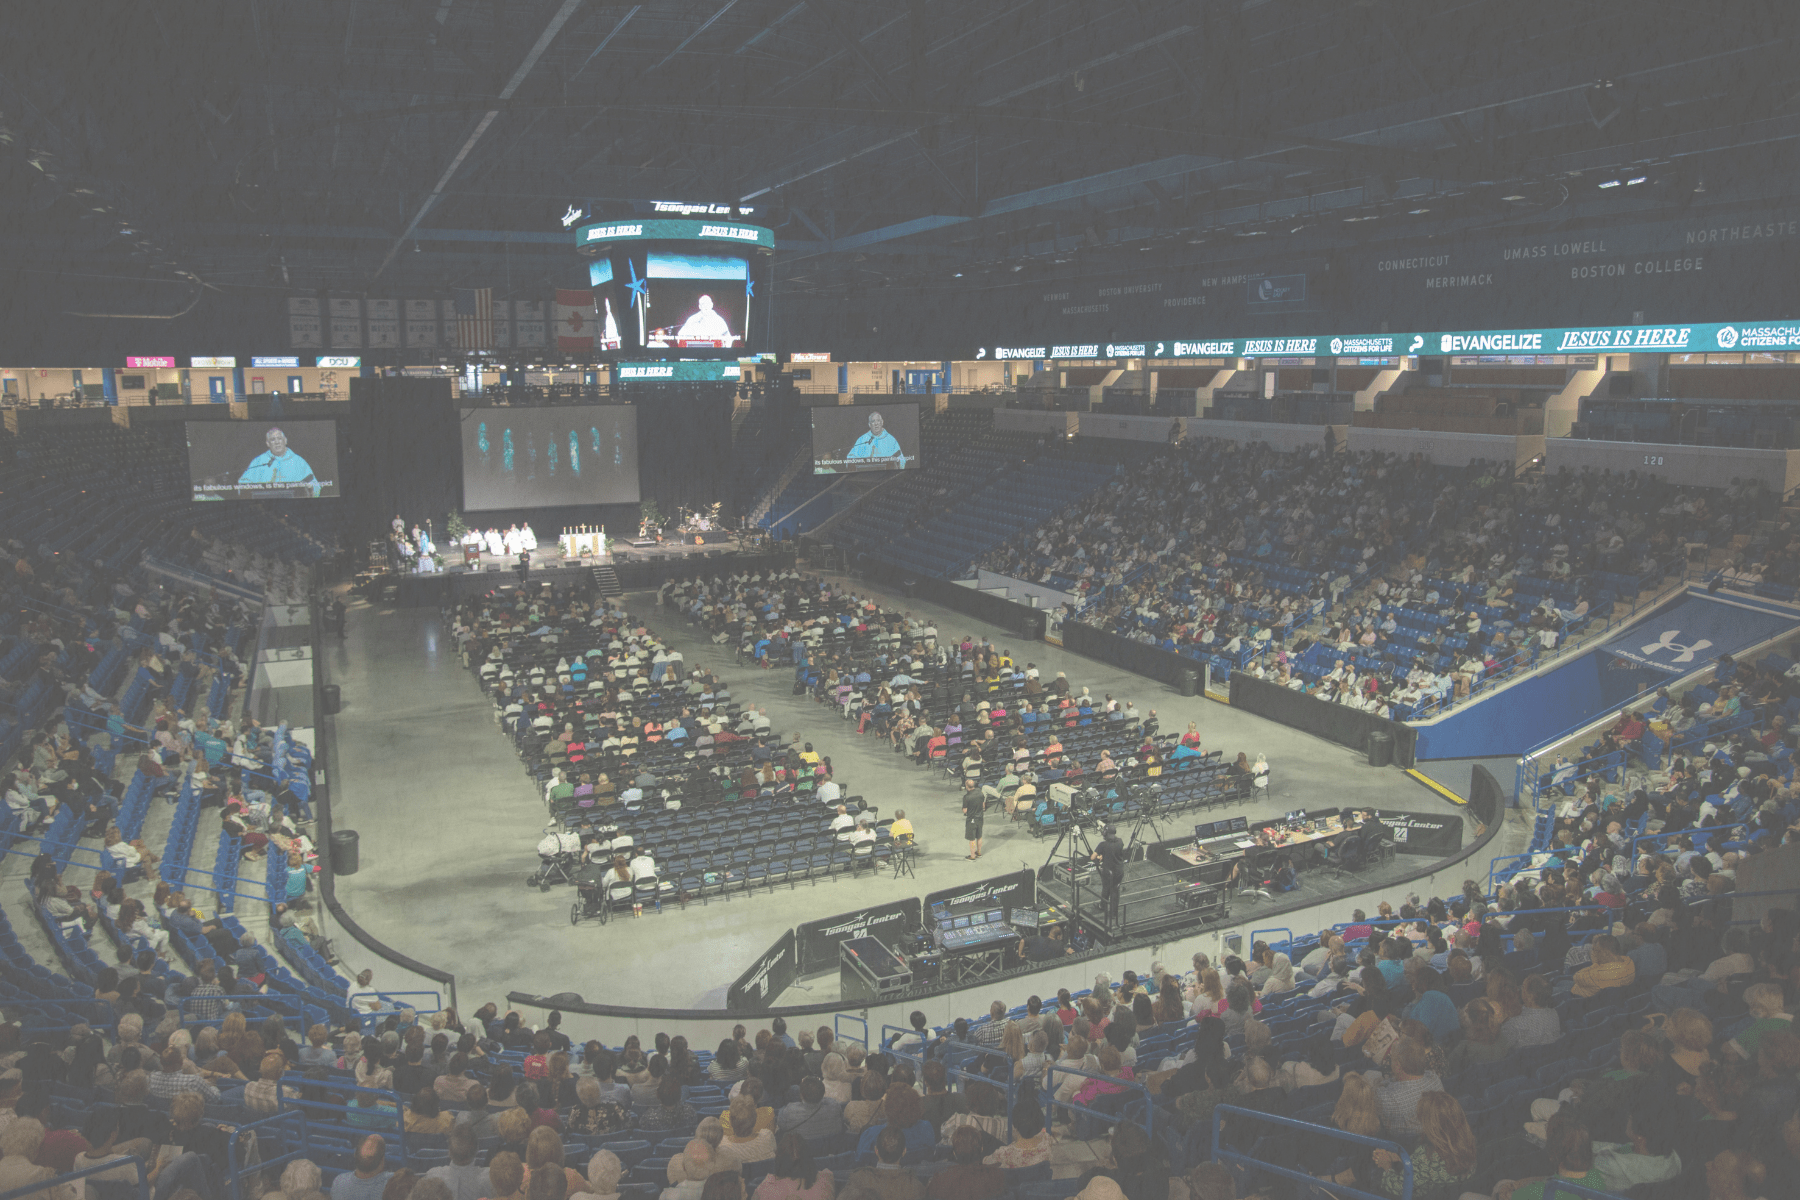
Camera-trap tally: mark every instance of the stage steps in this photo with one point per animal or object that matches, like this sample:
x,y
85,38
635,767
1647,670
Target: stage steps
x,y
607,580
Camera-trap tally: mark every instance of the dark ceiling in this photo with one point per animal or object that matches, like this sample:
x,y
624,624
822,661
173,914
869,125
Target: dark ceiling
x,y
405,146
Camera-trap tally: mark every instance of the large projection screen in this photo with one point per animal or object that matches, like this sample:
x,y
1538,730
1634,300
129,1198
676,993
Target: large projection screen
x,y
545,457
851,439
263,460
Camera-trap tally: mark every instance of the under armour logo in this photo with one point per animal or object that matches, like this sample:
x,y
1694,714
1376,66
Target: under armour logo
x,y
1668,642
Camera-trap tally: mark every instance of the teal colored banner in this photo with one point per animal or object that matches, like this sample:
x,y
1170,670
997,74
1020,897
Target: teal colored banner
x,y
628,372
1623,339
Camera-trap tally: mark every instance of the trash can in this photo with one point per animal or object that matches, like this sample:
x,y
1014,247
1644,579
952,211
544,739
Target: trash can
x,y
334,699
1381,748
1190,681
346,852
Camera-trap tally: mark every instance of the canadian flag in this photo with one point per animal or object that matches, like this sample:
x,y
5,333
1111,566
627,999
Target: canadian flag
x,y
576,325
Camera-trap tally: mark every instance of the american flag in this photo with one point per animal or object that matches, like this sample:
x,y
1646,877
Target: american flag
x,y
475,318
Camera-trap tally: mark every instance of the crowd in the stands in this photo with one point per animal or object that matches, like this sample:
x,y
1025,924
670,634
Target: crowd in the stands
x,y
1249,553
1640,1041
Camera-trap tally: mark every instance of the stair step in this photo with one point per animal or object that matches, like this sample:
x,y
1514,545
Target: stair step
x,y
607,580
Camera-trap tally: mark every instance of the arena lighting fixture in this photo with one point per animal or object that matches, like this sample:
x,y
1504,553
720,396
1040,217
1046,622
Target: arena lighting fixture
x,y
1636,181
1610,183
1513,197
1417,212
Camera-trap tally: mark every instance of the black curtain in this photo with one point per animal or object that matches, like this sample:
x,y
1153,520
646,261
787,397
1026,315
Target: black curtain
x,y
1486,796
1335,722
404,454
684,444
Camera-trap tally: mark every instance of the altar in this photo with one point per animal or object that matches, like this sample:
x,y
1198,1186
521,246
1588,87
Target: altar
x,y
578,543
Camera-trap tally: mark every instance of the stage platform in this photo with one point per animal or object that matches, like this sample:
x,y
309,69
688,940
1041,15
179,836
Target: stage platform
x,y
634,568
1169,887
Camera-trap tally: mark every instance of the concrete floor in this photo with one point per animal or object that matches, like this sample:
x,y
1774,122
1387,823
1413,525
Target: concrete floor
x,y
449,821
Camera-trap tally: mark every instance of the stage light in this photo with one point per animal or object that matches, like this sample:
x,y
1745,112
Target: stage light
x,y
1513,197
1638,180
1418,212
1610,183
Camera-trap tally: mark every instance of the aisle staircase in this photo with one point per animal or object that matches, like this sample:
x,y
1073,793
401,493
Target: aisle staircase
x,y
607,580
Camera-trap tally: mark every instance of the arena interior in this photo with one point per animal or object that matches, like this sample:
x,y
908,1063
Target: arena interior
x,y
657,600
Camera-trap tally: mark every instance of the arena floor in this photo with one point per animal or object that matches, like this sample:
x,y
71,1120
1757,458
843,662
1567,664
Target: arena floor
x,y
449,822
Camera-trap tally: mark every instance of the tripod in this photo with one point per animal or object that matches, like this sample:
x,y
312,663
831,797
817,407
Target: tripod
x,y
1146,818
1074,834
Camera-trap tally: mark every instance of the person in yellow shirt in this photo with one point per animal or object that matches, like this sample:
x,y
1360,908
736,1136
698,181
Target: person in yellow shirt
x,y
1608,969
901,828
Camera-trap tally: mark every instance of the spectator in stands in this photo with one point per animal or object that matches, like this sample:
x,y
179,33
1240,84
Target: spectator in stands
x,y
1431,1004
1445,1160
1356,1111
1398,1094
887,1179
465,1180
745,1141
1537,1023
1482,1040
689,1170
1571,1152
506,1178
794,1175
969,1178
264,1094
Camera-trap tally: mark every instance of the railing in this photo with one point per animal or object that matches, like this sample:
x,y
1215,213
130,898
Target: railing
x,y
1225,1154
1008,1084
1553,1187
1111,1118
1659,838
840,1020
1288,932
285,1123
227,895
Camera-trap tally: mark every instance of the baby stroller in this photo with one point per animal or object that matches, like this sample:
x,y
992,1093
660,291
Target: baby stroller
x,y
558,856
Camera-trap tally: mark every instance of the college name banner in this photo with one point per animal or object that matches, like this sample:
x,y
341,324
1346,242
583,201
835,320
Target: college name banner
x,y
384,324
346,323
421,331
306,330
529,326
1605,339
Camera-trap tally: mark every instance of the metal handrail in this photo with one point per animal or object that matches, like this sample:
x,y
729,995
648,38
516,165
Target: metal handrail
x,y
1655,837
1225,1154
1554,1187
1010,1085
1131,1085
235,1170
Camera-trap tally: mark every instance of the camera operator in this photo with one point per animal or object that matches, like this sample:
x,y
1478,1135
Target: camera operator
x,y
1111,856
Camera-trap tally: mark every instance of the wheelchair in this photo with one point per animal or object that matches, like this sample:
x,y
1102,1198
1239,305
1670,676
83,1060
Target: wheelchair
x,y
595,896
